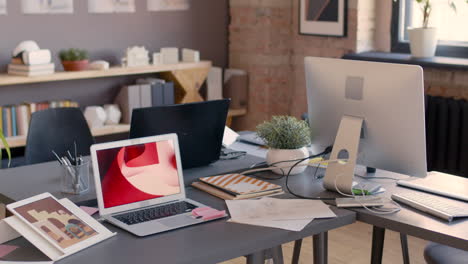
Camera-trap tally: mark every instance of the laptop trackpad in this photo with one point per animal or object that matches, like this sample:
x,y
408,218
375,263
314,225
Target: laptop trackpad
x,y
180,220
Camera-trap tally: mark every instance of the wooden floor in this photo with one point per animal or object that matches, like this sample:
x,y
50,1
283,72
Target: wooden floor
x,y
352,245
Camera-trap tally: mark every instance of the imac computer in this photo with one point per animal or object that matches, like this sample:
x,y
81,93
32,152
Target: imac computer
x,y
371,113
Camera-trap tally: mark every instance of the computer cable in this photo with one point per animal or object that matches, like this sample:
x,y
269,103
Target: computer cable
x,y
375,210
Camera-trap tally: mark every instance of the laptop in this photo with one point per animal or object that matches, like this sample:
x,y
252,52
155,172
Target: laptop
x,y
440,183
140,186
200,127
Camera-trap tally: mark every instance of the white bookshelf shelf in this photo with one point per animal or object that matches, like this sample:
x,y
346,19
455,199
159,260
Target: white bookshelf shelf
x,y
7,79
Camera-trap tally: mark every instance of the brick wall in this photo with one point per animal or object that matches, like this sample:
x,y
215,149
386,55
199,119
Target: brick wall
x,y
264,40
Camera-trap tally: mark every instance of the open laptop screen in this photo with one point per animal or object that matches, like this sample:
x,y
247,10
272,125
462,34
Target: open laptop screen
x,y
138,172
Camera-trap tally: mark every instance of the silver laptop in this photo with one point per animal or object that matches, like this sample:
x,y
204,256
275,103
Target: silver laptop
x,y
440,183
140,185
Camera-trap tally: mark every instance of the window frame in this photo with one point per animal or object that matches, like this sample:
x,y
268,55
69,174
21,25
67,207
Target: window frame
x,y
398,46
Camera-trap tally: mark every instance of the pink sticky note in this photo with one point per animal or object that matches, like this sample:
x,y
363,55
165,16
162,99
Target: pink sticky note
x,y
89,210
6,249
200,210
213,214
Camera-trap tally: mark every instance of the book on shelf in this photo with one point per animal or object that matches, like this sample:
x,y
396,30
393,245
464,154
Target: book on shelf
x,y
14,119
31,70
58,228
237,186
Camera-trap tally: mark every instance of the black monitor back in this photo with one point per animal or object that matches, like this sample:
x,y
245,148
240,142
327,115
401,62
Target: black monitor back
x,y
199,126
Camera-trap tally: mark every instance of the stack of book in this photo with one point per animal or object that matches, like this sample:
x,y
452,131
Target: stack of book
x,y
146,93
19,67
237,186
14,119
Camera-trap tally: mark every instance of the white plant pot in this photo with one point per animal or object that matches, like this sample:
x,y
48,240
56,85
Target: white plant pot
x,y
423,42
276,155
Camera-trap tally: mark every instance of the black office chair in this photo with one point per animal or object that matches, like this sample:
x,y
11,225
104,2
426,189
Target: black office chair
x,y
57,129
437,254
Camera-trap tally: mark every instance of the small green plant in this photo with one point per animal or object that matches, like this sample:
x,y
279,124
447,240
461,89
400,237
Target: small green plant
x,y
284,132
7,148
426,9
73,54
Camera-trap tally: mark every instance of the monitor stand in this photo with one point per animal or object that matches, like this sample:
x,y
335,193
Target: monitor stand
x,y
339,175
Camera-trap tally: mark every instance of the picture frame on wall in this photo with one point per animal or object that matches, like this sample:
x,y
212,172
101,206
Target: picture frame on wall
x,y
323,17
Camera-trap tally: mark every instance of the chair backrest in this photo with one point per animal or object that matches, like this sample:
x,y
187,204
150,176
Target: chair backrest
x,y
199,127
57,129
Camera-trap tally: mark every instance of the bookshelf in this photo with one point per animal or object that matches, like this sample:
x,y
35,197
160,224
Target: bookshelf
x,y
20,141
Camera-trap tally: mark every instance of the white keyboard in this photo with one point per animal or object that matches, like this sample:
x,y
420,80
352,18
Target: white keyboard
x,y
434,205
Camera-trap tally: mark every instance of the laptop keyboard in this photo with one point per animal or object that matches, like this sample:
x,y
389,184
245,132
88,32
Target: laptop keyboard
x,y
154,213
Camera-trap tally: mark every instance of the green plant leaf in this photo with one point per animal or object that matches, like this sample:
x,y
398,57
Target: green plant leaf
x,y
284,132
7,148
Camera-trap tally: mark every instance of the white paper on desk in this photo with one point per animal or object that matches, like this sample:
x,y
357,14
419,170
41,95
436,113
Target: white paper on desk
x,y
289,214
269,208
292,225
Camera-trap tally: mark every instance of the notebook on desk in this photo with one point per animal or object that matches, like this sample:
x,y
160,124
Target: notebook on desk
x,y
440,183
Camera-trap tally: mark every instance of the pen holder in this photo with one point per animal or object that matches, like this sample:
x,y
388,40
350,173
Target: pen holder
x,y
75,178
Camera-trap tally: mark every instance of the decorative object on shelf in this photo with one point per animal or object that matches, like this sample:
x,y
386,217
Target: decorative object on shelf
x,y
113,114
3,7
136,56
47,7
170,55
168,5
111,6
74,59
423,40
214,84
189,55
99,65
323,18
95,116
157,58
29,60
287,138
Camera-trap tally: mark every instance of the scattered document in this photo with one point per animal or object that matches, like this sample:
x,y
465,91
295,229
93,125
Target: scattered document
x,y
3,7
168,5
289,214
89,210
47,6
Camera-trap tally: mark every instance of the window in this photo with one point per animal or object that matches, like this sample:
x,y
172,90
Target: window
x,y
451,25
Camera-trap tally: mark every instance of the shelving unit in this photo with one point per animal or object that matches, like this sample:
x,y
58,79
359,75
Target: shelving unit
x,y
6,79
187,77
20,141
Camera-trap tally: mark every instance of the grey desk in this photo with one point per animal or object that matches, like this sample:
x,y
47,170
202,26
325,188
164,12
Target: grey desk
x,y
411,222
408,221
206,243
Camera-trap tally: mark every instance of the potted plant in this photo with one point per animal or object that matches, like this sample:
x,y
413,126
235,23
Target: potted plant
x,y
7,148
423,40
74,59
287,138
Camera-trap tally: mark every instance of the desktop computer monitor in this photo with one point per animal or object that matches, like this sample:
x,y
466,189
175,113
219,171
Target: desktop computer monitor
x,y
377,108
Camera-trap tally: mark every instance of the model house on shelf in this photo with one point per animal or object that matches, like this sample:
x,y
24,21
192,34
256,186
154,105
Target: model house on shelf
x,y
136,56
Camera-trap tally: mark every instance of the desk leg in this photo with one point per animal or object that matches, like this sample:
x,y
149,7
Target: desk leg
x,y
256,258
277,255
320,248
404,248
297,251
378,236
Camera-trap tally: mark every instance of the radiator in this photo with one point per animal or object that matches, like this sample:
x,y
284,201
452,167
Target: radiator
x,y
447,135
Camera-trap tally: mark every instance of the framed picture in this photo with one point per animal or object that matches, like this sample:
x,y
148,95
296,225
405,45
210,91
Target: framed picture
x,y
323,17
